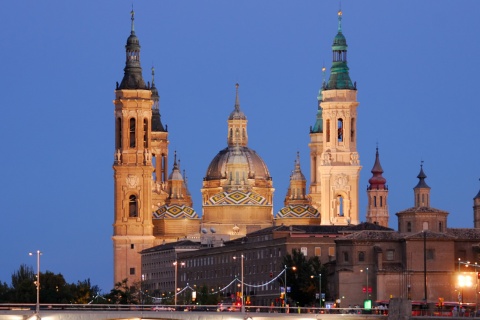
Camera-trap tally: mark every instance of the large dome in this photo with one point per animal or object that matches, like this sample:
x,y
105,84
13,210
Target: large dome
x,y
257,169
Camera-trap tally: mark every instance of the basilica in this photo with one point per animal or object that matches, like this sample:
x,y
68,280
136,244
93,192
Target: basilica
x,y
153,209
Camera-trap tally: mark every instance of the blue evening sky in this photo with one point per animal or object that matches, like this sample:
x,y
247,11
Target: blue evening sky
x,y
416,64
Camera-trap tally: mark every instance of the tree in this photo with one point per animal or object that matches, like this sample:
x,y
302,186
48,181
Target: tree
x,y
23,285
122,293
299,277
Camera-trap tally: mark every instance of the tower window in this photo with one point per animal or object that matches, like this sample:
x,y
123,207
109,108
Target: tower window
x,y
345,256
440,227
132,207
352,130
409,226
340,204
132,133
381,201
375,201
340,130
119,134
328,130
361,256
145,133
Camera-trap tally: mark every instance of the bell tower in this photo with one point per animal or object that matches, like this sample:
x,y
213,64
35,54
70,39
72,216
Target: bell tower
x,y
132,227
377,192
339,164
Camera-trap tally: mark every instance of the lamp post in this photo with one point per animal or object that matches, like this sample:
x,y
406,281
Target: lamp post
x,y
176,273
367,282
319,289
241,280
286,268
37,283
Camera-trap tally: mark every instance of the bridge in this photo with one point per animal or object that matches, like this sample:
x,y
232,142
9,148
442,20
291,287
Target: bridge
x,y
114,312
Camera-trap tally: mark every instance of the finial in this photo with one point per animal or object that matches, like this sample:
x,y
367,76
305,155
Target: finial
x,y
421,164
132,13
175,158
340,20
237,100
153,76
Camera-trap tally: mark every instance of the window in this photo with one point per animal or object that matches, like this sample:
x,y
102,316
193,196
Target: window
x,y
132,207
345,256
375,201
409,226
132,133
318,251
132,246
328,130
361,256
440,227
132,271
340,130
352,130
331,251
119,133
340,206
390,255
381,201
145,133
430,254
303,250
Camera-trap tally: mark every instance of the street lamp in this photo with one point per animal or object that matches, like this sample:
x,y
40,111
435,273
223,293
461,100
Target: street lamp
x,y
176,272
37,283
366,291
319,289
293,268
241,280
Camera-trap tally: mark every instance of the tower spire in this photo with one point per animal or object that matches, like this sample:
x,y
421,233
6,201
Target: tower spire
x,y
132,78
377,192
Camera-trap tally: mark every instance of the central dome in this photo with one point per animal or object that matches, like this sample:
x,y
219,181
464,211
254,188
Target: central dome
x,y
257,169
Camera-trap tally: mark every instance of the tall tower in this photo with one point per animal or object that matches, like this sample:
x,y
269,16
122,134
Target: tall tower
x,y
339,164
132,227
316,149
476,210
377,192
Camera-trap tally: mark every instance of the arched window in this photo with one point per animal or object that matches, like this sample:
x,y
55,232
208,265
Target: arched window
x,y
352,130
381,201
340,204
340,130
145,133
328,130
361,256
132,206
440,227
409,226
375,201
132,133
118,139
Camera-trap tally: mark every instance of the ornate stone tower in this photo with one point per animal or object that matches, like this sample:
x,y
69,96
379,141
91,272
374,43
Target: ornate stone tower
x,y
237,191
377,192
316,150
339,165
297,210
476,210
132,227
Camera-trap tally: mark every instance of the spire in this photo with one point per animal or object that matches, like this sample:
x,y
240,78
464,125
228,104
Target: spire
x,y
176,174
237,114
339,77
377,181
297,171
157,125
132,78
421,177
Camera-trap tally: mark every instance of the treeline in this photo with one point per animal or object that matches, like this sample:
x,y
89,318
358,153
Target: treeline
x,y
53,288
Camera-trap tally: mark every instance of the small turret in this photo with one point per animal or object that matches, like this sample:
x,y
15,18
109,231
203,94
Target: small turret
x,y
377,192
422,190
